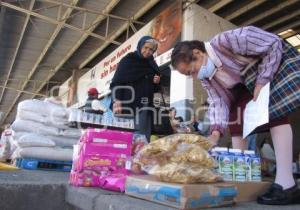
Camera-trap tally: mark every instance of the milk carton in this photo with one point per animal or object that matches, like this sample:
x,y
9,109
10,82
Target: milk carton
x,y
225,162
253,165
239,165
214,154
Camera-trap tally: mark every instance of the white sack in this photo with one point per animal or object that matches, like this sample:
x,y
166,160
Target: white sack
x,y
52,121
33,127
17,135
71,133
35,140
43,108
61,141
48,153
32,116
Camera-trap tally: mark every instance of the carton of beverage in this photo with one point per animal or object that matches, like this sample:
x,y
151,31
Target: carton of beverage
x,y
225,162
253,165
239,165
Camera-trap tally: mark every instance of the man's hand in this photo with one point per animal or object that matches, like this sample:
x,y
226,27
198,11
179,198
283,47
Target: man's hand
x,y
257,89
214,138
117,107
156,79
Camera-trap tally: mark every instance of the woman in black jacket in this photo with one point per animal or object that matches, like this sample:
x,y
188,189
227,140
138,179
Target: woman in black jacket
x,y
134,84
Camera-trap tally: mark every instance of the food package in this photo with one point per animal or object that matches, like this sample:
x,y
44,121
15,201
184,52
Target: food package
x,y
139,141
90,178
185,173
102,159
180,158
159,150
6,167
194,154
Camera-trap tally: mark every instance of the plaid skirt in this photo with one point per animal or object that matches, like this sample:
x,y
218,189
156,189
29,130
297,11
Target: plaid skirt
x,y
236,118
285,86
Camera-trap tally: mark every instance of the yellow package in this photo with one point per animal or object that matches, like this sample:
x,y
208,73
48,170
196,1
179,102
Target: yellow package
x,y
194,154
173,140
6,167
184,173
169,144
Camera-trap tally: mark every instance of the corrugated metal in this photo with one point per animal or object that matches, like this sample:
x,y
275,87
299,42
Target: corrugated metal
x,y
39,31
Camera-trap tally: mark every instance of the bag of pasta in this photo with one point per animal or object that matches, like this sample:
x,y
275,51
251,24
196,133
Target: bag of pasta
x,y
185,173
171,141
177,149
192,153
168,144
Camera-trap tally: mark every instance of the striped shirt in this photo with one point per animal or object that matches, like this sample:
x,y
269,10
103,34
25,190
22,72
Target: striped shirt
x,y
249,42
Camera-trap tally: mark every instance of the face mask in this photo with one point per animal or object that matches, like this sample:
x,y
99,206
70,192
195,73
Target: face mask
x,y
207,70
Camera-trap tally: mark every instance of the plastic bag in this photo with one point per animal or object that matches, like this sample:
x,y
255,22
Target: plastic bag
x,y
7,146
168,144
180,158
139,141
6,167
4,149
194,154
184,173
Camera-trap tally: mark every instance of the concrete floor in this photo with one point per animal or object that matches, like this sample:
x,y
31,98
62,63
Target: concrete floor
x,y
59,195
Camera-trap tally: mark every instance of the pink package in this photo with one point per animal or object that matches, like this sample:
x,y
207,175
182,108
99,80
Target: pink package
x,y
94,135
103,164
102,159
86,178
107,146
89,178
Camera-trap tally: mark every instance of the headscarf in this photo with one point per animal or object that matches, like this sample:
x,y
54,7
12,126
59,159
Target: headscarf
x,y
142,41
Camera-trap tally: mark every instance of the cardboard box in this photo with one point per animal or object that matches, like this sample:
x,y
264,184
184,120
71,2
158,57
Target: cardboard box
x,y
248,191
190,196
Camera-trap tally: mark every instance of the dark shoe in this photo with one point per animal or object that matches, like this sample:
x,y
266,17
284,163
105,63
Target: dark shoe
x,y
277,196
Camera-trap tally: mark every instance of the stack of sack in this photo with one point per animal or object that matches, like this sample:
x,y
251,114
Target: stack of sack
x,y
40,131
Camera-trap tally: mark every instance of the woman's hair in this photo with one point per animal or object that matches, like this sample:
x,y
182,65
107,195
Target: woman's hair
x,y
172,108
145,39
183,51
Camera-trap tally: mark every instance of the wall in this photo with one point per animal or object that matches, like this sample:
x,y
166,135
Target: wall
x,y
200,24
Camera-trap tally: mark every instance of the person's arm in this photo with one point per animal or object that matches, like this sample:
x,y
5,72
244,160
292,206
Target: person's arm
x,y
218,111
255,42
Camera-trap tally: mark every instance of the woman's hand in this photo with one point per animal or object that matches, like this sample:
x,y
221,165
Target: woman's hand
x,y
117,107
156,79
257,90
214,138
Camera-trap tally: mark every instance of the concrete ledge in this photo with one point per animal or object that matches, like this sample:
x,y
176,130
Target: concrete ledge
x,y
98,199
32,197
43,190
124,202
84,198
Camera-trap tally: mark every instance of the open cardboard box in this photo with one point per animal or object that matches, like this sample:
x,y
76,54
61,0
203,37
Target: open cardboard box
x,y
248,191
182,196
